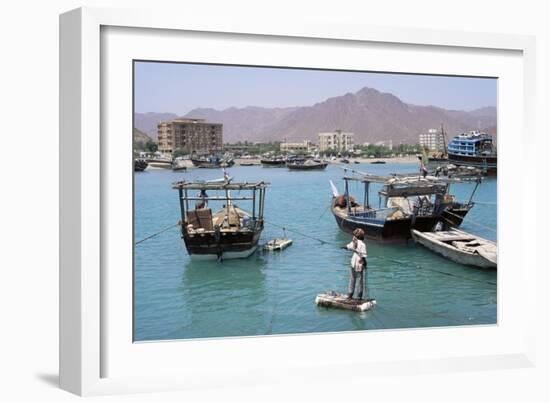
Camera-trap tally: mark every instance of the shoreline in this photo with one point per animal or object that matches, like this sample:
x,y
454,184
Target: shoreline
x,y
391,160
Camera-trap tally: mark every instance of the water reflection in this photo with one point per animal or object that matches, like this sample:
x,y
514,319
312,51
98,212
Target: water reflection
x,y
224,299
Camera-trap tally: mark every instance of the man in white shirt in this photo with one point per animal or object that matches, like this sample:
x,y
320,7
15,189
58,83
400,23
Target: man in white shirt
x,y
358,262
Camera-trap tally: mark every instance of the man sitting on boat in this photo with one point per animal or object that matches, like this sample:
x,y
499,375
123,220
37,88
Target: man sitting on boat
x,y
204,202
358,262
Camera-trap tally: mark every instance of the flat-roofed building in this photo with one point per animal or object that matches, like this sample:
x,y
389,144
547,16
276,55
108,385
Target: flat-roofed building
x,y
434,140
193,135
303,147
337,140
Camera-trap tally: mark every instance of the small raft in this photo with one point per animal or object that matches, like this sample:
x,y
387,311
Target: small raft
x,y
333,299
278,244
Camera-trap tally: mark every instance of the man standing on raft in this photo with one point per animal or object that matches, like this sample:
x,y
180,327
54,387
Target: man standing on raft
x,y
358,262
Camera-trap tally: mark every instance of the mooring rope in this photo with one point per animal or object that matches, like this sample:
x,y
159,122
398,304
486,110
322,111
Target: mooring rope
x,y
438,271
470,221
157,233
299,233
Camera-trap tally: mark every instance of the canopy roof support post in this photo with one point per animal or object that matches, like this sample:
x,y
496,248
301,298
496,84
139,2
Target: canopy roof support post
x,y
347,196
254,205
186,204
182,210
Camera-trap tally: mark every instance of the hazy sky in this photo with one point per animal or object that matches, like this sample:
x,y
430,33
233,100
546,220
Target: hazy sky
x,y
179,88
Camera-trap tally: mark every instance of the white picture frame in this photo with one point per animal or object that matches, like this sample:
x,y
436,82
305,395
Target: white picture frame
x,y
90,340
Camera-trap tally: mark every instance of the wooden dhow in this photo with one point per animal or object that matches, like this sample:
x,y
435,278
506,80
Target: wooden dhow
x,y
228,233
404,203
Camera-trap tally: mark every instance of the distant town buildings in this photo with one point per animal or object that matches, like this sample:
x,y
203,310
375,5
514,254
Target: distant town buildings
x,y
193,135
335,141
304,147
434,140
385,143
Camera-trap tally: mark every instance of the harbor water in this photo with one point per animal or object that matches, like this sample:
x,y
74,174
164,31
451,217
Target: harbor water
x,y
274,292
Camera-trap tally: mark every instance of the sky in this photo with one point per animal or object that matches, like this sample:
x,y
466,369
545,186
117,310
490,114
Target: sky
x,y
178,88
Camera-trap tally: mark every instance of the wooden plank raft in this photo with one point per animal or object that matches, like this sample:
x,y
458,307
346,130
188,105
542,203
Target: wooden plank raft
x,y
278,244
333,299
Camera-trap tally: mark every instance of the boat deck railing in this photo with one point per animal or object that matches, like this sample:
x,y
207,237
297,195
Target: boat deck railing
x,y
380,214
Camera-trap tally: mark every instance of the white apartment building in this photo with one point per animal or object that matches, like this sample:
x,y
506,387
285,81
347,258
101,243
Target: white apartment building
x,y
336,140
434,140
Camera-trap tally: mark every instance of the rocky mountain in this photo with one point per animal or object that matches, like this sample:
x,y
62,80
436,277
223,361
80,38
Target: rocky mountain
x,y
372,115
140,137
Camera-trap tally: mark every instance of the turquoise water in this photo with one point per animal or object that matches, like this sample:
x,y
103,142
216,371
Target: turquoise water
x,y
274,293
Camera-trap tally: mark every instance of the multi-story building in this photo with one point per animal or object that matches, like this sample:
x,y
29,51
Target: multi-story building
x,y
434,140
337,141
303,147
193,135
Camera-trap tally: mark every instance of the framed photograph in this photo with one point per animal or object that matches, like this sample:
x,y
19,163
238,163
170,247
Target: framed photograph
x,y
243,202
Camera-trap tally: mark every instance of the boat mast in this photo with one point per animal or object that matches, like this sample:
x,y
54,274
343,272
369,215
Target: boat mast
x,y
444,140
366,196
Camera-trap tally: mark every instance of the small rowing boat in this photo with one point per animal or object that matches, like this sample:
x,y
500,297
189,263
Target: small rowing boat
x,y
332,299
278,244
460,247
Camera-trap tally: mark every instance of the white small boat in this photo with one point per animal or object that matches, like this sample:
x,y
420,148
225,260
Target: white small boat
x,y
333,299
278,244
460,247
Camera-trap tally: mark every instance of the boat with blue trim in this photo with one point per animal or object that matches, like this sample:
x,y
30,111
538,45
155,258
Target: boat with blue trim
x,y
475,149
404,203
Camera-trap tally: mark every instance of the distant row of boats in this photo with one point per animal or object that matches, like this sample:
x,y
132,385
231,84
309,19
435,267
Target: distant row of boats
x,y
179,164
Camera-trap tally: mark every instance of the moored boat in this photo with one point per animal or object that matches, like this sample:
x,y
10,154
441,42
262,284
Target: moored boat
x,y
475,149
213,162
179,164
405,203
140,165
228,233
460,247
160,162
307,165
277,162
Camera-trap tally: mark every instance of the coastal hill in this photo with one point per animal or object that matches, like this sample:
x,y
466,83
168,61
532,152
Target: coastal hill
x,y
147,122
140,137
372,115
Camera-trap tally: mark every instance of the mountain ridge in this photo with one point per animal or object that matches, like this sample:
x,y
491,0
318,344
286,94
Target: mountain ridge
x,y
372,115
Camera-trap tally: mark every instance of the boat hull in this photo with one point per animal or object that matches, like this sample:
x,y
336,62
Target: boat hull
x,y
488,163
225,245
455,216
302,167
212,164
140,165
160,164
385,231
468,259
273,164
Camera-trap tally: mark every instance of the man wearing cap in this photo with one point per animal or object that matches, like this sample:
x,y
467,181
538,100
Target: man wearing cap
x,y
358,262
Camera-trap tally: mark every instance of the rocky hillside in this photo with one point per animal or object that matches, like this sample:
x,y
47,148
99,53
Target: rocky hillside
x,y
372,115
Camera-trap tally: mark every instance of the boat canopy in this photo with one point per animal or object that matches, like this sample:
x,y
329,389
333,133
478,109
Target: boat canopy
x,y
219,186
